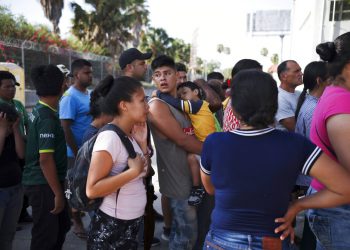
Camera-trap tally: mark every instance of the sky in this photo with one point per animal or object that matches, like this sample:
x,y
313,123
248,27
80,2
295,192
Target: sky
x,y
216,22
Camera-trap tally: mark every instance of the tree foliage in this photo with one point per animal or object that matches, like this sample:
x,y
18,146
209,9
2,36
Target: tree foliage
x,y
222,49
264,52
158,41
213,65
274,59
13,26
111,24
18,28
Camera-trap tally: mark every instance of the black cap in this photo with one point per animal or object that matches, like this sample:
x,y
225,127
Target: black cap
x,y
130,55
8,75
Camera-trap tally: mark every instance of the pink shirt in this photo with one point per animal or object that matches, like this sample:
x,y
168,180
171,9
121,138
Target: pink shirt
x,y
335,100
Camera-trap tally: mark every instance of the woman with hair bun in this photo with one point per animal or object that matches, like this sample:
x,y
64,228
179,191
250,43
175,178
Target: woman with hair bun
x,y
330,131
252,171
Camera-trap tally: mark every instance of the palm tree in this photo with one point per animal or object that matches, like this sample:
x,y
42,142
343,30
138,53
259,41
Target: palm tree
x,y
53,11
157,40
112,24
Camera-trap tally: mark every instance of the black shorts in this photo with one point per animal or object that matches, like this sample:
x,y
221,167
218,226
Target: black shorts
x,y
109,233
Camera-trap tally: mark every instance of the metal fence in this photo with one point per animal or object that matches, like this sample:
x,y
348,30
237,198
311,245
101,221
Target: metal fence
x,y
28,54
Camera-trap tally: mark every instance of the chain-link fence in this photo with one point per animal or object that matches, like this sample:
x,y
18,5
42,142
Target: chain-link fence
x,y
28,54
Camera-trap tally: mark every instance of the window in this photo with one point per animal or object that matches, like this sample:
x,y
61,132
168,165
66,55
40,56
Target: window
x,y
342,10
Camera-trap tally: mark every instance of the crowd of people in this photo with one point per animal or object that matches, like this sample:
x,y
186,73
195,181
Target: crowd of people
x,y
236,160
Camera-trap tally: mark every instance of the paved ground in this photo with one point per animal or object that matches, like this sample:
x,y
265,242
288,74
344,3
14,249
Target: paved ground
x,y
22,238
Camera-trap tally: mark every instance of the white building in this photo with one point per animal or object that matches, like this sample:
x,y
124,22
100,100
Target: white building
x,y
314,22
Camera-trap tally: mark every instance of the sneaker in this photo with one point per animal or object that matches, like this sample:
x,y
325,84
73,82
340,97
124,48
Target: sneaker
x,y
155,242
196,196
166,234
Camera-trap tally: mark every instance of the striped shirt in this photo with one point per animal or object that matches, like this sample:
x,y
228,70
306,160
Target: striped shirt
x,y
303,126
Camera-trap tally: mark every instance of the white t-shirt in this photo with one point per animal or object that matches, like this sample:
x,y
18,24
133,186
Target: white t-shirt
x,y
287,104
132,196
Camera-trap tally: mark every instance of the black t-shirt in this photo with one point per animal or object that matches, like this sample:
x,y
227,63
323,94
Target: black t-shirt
x,y
10,170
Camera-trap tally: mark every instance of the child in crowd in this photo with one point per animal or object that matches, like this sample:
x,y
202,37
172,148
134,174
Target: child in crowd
x,y
46,162
203,122
11,192
116,226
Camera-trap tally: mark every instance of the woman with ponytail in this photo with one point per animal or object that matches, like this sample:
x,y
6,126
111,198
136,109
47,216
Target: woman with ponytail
x,y
330,131
315,79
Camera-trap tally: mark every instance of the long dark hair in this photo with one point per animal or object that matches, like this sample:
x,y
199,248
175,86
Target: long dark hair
x,y
254,98
312,71
97,95
122,89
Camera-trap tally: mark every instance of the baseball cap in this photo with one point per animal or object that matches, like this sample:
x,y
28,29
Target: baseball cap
x,y
131,55
8,75
64,70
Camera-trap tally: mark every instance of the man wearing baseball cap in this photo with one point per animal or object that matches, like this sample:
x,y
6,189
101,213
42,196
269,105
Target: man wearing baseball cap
x,y
133,63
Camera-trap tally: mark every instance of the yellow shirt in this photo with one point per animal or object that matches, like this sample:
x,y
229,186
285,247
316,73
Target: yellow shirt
x,y
203,122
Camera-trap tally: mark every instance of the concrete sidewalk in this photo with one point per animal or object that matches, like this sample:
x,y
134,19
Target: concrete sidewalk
x,y
23,237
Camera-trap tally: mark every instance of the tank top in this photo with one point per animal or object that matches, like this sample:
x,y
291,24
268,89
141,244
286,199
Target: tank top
x,y
173,170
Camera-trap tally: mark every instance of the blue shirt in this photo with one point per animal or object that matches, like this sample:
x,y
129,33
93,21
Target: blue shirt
x,y
304,118
74,106
303,126
253,173
89,133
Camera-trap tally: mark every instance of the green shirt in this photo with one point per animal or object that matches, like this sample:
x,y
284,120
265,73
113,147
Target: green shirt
x,y
22,111
45,136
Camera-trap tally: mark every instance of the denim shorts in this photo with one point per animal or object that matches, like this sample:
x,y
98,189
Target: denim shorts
x,y
331,226
223,239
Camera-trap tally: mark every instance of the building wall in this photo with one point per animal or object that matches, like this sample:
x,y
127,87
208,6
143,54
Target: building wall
x,y
310,27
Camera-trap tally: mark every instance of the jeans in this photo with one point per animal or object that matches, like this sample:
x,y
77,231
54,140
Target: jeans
x,y
224,239
11,199
49,230
331,226
183,233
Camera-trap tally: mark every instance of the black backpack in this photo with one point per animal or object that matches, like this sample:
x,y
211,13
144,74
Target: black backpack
x,y
76,177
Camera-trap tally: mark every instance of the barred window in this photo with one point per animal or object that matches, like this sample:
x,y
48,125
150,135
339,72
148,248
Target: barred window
x,y
342,10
